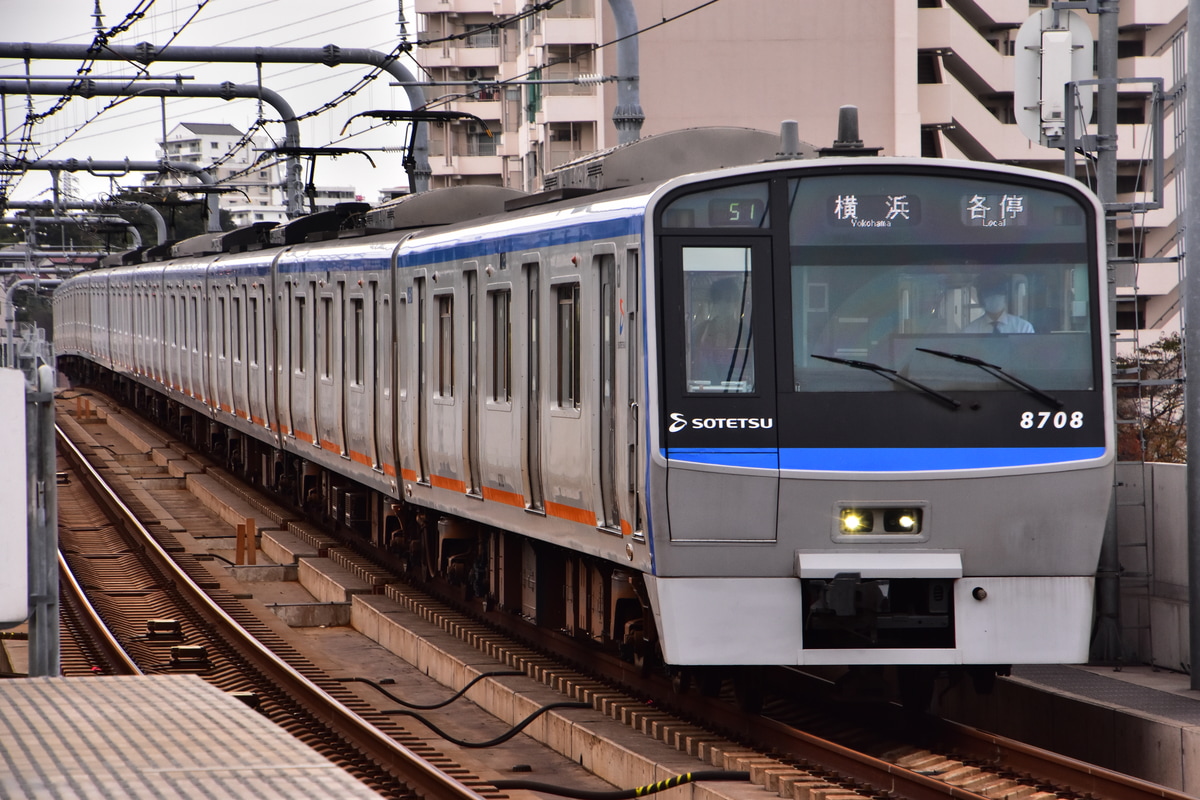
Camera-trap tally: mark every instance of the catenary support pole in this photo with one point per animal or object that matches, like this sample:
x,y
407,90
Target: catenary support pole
x,y
224,91
1106,642
627,115
330,55
1191,338
160,224
41,471
91,165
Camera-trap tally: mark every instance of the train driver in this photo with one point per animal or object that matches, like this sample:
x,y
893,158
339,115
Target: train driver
x,y
720,356
992,291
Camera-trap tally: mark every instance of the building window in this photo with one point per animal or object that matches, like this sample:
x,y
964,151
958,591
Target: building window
x,y
567,356
480,140
1131,314
484,37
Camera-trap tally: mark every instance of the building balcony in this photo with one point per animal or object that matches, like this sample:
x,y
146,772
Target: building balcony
x,y
1161,66
979,135
558,108
435,57
974,130
557,156
1150,12
569,31
469,165
943,30
487,110
1004,11
494,7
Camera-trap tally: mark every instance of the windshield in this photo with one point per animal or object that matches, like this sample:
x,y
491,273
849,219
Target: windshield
x,y
964,271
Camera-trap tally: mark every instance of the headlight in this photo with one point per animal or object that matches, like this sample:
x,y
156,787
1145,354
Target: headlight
x,y
881,520
902,520
857,520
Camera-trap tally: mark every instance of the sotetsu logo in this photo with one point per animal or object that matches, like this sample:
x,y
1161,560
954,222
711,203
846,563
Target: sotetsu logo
x,y
679,422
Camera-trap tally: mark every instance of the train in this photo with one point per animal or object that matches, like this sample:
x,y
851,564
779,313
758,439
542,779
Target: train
x,y
714,407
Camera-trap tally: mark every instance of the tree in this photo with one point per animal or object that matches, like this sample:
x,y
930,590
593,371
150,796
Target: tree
x,y
1156,401
185,217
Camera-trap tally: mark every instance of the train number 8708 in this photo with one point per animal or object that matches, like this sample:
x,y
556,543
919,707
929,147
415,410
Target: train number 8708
x,y
1057,419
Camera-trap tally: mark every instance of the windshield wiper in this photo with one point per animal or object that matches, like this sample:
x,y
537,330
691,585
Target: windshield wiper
x,y
891,375
996,371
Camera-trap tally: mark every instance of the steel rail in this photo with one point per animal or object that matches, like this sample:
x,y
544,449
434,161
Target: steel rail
x,y
415,772
104,639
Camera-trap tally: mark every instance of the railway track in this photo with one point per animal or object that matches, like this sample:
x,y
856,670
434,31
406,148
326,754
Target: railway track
x,y
798,739
182,622
87,645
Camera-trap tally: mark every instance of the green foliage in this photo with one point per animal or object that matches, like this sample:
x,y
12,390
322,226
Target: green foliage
x,y
1157,403
185,217
33,307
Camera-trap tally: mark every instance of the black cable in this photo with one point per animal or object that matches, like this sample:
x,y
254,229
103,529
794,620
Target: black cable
x,y
622,794
460,693
501,739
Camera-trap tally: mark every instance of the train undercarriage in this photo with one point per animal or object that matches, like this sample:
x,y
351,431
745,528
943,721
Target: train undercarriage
x,y
547,586
499,574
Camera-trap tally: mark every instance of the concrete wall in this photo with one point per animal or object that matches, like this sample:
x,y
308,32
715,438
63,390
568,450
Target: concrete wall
x,y
1152,531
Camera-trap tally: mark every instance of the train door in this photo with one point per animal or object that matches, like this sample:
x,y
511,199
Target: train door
x,y
633,374
359,406
606,264
239,366
534,498
260,364
719,390
287,343
307,374
341,380
422,384
373,345
220,350
471,451
324,335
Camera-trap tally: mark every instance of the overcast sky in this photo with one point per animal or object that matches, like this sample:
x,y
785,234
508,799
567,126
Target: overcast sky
x,y
131,129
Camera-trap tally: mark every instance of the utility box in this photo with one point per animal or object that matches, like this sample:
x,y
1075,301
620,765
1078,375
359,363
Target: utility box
x,y
14,500
1053,49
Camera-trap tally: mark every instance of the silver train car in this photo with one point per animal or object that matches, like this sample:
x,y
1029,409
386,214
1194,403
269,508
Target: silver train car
x,y
829,411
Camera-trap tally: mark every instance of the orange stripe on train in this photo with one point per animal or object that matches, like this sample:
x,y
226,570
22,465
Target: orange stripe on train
x,y
502,496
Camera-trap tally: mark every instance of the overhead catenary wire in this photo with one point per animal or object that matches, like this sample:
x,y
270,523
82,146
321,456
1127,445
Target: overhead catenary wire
x,y
405,48
100,42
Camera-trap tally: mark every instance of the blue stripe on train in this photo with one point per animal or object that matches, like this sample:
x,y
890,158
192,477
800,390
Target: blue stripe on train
x,y
885,459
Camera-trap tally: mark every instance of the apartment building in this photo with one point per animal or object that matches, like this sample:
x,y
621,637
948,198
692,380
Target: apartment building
x,y
249,193
930,77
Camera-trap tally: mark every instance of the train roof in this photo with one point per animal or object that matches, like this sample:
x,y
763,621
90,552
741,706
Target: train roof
x,y
669,155
623,171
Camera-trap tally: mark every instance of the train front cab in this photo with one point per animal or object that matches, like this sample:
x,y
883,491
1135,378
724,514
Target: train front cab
x,y
863,478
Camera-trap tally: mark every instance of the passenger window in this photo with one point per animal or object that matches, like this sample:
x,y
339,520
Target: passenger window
x,y
568,352
501,336
327,332
717,304
446,345
356,305
300,340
